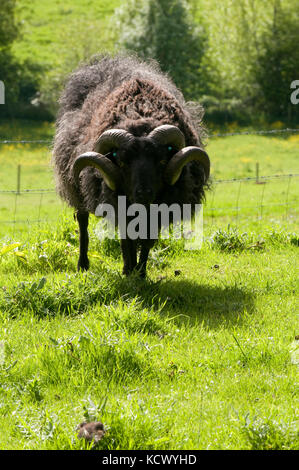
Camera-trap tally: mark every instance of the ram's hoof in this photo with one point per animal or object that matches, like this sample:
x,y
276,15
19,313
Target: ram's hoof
x,y
83,264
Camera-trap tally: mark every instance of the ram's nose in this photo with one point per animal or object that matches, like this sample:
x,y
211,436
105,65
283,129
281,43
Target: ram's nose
x,y
144,195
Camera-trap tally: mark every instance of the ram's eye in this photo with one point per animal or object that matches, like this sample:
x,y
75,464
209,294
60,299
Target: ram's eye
x,y
112,154
121,164
171,149
163,162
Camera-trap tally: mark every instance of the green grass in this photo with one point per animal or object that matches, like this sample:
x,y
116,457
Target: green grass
x,y
200,355
49,26
207,355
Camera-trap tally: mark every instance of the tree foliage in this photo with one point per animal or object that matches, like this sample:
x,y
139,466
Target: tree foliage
x,y
20,79
8,26
8,33
251,58
164,30
277,64
237,57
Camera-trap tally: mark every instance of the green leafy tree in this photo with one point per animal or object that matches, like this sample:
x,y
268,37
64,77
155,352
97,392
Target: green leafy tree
x,y
8,33
250,60
20,79
8,27
277,64
163,30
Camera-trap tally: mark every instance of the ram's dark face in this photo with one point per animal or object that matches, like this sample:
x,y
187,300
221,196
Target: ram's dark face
x,y
140,166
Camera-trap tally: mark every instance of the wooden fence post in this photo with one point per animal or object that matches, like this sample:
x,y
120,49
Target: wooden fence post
x,y
19,180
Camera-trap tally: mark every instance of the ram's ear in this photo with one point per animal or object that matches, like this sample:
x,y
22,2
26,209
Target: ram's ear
x,y
109,172
180,159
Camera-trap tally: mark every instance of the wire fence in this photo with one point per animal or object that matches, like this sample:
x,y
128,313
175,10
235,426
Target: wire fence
x,y
261,132
213,135
234,201
256,197
278,203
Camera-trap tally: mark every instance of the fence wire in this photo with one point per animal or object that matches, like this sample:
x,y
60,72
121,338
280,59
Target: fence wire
x,y
234,209
227,134
233,206
261,132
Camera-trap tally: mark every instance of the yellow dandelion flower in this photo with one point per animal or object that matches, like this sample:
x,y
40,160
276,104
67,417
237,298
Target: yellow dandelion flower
x,y
277,125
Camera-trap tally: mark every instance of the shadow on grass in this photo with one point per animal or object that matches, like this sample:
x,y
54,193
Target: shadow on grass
x,y
189,302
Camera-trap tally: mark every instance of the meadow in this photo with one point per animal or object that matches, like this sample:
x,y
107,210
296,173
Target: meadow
x,y
203,354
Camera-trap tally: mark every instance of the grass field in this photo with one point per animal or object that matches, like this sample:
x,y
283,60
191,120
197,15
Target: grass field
x,y
49,26
203,354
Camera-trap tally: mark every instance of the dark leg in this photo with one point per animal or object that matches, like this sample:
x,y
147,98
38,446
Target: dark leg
x,y
128,248
83,263
144,252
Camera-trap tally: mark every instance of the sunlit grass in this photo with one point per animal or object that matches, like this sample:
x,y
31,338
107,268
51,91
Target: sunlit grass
x,y
200,355
206,354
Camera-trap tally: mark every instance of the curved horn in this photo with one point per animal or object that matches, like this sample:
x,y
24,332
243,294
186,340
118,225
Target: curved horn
x,y
167,134
108,170
181,158
113,138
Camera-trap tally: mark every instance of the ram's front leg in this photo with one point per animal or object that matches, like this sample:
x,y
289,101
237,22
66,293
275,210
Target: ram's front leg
x,y
83,263
146,245
128,248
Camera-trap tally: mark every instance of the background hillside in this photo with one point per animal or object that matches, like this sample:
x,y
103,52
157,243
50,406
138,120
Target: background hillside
x,y
236,57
